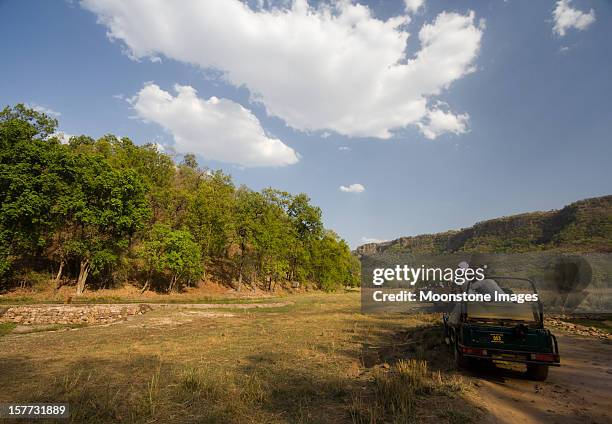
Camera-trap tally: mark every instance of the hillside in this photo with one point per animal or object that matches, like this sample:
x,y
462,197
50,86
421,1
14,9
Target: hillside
x,y
583,226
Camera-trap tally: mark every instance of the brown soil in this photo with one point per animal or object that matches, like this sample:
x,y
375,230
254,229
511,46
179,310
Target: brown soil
x,y
580,391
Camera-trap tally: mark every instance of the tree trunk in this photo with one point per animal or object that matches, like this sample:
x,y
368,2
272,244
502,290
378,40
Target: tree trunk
x,y
145,287
59,275
242,247
83,273
239,280
172,283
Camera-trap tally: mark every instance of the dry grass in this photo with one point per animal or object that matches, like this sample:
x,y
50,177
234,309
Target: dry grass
x,y
316,361
6,327
398,390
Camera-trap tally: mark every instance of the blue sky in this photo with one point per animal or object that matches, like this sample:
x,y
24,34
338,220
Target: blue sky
x,y
527,119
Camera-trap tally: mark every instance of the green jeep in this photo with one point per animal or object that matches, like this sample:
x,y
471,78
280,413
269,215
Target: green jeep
x,y
502,331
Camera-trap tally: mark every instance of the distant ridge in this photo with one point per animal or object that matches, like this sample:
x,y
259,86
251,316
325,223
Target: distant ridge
x,y
583,226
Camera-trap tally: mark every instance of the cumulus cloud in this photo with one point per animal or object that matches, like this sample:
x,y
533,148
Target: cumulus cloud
x,y
43,109
218,129
412,6
344,148
566,17
159,147
328,67
63,137
353,188
438,122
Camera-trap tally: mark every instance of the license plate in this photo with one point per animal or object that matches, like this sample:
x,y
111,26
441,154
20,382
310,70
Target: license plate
x,y
497,338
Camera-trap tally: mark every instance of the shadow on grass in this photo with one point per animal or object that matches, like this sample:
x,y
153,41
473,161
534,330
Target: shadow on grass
x,y
145,388
412,377
301,393
266,387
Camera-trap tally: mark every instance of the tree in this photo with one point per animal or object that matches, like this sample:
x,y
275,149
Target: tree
x,y
190,161
333,264
209,216
173,254
306,221
32,178
84,208
274,238
247,214
107,207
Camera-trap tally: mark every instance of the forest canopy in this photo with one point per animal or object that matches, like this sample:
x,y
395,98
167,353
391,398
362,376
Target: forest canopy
x,y
101,213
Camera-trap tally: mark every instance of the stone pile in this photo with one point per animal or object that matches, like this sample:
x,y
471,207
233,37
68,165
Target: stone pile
x,y
578,329
70,314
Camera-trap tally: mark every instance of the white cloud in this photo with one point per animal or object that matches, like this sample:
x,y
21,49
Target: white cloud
x,y
372,240
330,67
412,6
62,136
344,148
43,109
218,129
439,122
353,188
566,17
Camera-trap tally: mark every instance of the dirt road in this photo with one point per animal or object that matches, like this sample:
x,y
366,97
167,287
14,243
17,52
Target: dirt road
x,y
580,391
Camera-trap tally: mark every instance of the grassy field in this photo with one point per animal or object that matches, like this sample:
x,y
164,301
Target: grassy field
x,y
316,361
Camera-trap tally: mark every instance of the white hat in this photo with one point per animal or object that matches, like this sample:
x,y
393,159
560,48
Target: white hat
x,y
463,265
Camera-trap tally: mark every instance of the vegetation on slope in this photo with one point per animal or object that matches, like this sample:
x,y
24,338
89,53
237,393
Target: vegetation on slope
x,y
584,226
103,212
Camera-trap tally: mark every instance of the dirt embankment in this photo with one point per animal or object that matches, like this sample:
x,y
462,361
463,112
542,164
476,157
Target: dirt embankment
x,y
564,323
104,314
69,314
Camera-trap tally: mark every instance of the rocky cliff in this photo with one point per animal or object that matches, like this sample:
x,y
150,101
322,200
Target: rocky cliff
x,y
583,226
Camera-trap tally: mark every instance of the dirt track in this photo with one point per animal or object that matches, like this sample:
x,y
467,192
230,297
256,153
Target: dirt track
x,y
580,391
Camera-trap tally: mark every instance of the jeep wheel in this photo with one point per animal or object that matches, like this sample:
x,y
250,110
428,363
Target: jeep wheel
x,y
537,372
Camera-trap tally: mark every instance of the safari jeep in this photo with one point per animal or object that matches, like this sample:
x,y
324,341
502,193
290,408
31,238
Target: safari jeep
x,y
502,331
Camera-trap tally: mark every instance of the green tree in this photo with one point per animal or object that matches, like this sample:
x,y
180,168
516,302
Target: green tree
x,y
190,161
32,178
308,227
333,264
247,214
173,254
209,216
88,204
273,238
107,207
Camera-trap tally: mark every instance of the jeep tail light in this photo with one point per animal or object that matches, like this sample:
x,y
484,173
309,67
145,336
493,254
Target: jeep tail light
x,y
545,357
474,351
